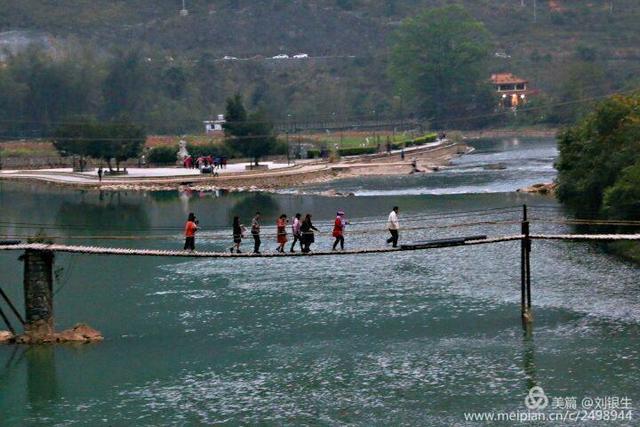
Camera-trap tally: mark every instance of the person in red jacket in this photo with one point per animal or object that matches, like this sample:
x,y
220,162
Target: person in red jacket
x,y
338,230
281,226
190,229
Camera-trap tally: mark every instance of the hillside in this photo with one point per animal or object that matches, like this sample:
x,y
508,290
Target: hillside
x,y
325,27
346,40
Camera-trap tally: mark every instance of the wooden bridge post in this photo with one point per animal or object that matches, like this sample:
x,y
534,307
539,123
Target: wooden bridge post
x,y
38,292
525,270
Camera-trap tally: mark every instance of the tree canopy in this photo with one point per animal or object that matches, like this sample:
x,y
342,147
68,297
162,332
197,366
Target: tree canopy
x,y
250,134
599,162
439,60
109,141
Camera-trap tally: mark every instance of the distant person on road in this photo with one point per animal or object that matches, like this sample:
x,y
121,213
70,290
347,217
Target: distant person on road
x,y
100,172
238,234
255,232
307,229
281,227
338,230
190,229
402,154
393,225
414,166
295,232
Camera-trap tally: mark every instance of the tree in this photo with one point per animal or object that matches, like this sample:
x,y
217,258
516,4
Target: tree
x,y
596,156
125,89
120,142
111,141
578,81
622,200
174,81
250,134
78,139
439,59
37,90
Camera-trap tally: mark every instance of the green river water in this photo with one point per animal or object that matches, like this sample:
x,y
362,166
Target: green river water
x,y
409,338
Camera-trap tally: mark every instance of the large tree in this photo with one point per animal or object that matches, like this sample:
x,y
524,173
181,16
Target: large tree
x,y
108,141
600,159
252,134
127,86
439,61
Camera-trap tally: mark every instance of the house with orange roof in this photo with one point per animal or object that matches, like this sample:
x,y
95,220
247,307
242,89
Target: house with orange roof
x,y
513,91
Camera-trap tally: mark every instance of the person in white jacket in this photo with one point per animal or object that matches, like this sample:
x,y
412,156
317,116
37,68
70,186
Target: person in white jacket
x,y
393,225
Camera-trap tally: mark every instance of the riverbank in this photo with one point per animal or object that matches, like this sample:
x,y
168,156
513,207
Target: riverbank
x,y
510,133
428,157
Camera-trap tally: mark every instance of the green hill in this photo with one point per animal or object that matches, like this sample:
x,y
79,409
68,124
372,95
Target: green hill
x,y
346,40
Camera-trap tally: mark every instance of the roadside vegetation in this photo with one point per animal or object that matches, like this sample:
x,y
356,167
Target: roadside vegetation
x,y
599,168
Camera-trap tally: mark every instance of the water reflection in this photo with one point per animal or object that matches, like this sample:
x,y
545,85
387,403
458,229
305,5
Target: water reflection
x,y
247,206
42,381
528,357
104,211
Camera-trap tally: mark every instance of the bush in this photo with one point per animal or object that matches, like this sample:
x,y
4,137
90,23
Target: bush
x,y
425,139
280,148
356,151
163,155
313,154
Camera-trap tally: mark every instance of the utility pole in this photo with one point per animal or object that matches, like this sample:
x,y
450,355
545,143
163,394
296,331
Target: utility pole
x,y
535,11
288,149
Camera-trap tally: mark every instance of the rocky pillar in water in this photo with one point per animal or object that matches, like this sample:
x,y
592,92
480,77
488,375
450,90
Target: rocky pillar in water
x,y
38,292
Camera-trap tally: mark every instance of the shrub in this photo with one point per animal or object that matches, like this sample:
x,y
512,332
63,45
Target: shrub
x,y
163,155
425,139
356,151
313,154
280,148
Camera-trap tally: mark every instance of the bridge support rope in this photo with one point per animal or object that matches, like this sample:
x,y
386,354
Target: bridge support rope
x,y
98,250
38,261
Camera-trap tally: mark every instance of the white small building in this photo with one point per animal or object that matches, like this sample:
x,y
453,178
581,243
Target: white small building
x,y
214,126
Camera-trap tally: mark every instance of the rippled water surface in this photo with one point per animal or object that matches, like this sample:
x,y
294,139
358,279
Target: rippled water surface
x,y
414,338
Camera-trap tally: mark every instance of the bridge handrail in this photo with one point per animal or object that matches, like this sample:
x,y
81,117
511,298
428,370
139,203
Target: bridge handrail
x,y
99,250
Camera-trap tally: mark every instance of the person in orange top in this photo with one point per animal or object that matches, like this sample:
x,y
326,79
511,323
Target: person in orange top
x,y
190,229
338,230
281,225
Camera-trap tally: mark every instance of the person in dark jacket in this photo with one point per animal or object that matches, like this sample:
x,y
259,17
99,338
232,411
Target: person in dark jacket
x,y
237,234
306,229
255,232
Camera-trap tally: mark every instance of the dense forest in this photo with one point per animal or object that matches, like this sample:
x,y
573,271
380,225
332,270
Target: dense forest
x,y
149,63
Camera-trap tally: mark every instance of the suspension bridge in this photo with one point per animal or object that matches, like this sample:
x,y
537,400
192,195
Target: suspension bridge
x,y
38,261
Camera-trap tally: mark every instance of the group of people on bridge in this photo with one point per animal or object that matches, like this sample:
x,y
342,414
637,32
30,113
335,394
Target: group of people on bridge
x,y
302,231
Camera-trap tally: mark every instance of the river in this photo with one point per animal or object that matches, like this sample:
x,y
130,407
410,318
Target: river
x,y
409,338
